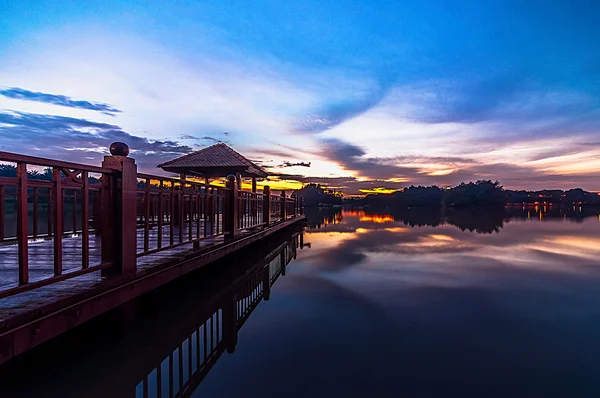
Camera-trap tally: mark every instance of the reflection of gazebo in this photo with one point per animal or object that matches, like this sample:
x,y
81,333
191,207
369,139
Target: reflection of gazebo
x,y
215,161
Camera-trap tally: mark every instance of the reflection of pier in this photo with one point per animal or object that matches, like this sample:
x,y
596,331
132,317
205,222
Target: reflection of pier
x,y
162,344
182,370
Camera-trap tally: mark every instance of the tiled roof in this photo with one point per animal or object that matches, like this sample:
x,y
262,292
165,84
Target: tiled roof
x,y
218,155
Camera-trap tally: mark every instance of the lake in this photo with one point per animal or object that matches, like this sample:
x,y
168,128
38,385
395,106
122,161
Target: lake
x,y
412,302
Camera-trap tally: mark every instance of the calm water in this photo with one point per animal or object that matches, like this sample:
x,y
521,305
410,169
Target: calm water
x,y
410,303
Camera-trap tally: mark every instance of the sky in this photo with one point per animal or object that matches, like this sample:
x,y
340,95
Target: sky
x,y
375,95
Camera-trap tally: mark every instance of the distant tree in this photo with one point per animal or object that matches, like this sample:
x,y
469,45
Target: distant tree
x,y
480,193
315,195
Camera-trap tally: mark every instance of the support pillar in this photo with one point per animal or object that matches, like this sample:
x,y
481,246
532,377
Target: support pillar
x,y
254,184
267,205
283,206
231,212
119,238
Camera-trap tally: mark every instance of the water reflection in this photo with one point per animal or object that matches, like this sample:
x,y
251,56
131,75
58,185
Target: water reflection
x,y
472,302
162,345
529,237
478,219
180,372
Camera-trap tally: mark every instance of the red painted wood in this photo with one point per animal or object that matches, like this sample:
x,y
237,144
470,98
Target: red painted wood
x,y
35,212
231,216
160,213
51,280
85,217
49,214
147,215
57,213
32,160
172,215
22,233
180,206
2,215
74,211
206,210
267,205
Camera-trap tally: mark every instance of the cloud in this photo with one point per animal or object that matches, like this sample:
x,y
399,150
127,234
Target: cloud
x,y
352,157
60,100
213,139
78,140
508,107
290,164
188,137
337,111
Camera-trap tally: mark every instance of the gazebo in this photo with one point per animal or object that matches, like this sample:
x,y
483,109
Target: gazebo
x,y
215,161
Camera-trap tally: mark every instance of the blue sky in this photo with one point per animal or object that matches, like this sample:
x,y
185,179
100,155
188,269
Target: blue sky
x,y
371,93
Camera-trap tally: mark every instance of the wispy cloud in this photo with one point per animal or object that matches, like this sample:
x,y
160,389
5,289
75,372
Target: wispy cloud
x,y
78,139
60,100
291,164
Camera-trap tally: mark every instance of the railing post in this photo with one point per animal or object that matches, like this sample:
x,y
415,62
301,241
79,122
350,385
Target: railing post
x,y
267,205
301,205
283,209
119,240
231,213
22,223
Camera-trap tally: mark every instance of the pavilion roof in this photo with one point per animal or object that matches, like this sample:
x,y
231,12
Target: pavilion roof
x,y
217,160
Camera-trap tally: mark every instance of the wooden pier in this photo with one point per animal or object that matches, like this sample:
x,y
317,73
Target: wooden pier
x,y
77,240
196,321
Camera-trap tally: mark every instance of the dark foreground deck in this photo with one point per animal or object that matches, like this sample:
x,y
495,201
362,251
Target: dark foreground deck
x,y
198,319
31,317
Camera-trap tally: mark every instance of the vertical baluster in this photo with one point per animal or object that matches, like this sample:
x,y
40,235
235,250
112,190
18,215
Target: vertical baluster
x,y
217,204
160,214
180,208
147,216
205,216
2,215
172,215
58,220
35,212
74,210
198,212
22,210
85,220
49,212
190,214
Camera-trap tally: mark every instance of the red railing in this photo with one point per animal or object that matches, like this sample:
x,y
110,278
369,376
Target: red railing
x,y
173,212
59,219
250,209
43,199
